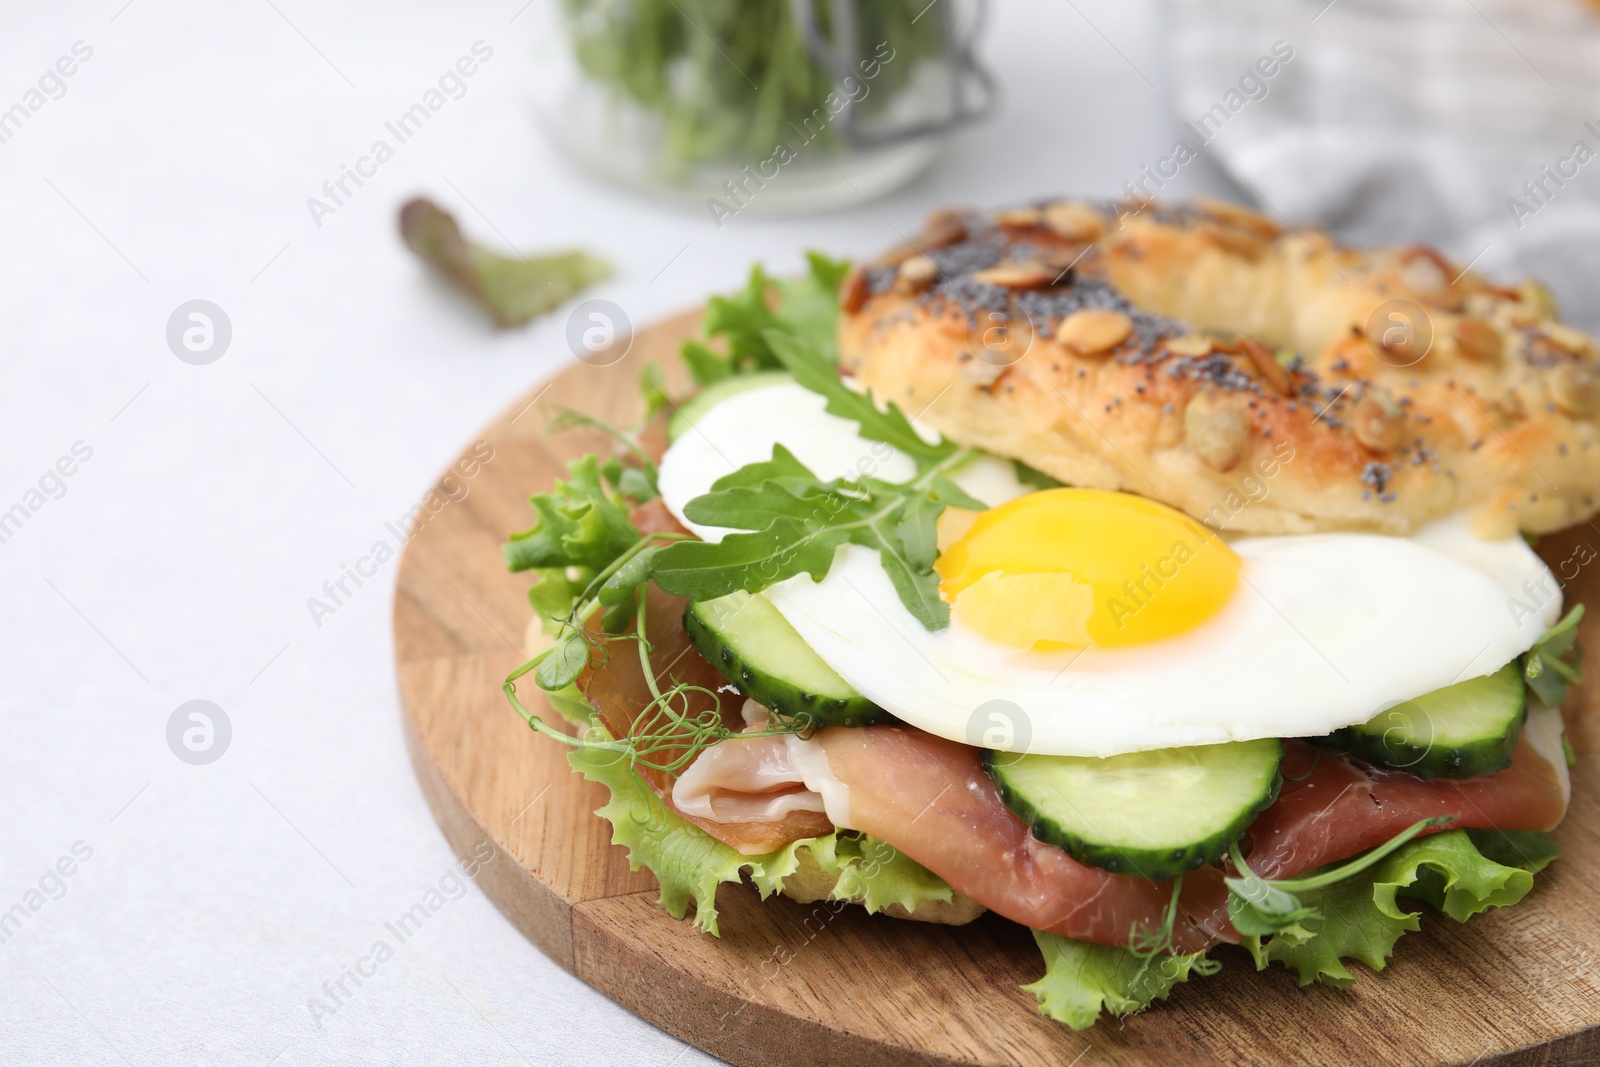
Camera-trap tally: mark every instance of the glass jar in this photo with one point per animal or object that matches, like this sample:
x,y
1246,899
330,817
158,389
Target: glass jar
x,y
767,106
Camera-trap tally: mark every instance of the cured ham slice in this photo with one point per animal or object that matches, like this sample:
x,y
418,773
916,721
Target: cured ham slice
x,y
653,517
620,693
931,799
1331,808
745,779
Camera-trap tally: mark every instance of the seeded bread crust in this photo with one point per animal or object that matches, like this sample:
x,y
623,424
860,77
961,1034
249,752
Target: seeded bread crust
x,y
1262,380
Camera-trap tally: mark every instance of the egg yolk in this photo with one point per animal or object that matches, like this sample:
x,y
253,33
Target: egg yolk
x,y
1085,568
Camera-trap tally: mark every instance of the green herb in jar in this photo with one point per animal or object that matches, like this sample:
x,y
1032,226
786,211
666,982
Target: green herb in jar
x,y
734,78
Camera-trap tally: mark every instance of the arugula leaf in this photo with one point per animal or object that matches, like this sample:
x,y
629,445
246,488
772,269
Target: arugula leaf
x,y
797,523
741,318
782,466
808,305
948,492
625,580
755,495
1081,979
805,308
1546,666
907,545
796,529
1034,479
705,366
814,368
653,387
702,570
1362,919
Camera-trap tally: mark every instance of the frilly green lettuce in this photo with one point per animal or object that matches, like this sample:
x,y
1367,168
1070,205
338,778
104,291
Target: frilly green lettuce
x,y
689,863
1082,980
875,874
1459,873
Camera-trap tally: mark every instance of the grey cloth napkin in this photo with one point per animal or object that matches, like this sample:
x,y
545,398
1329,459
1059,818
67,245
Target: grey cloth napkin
x,y
1473,125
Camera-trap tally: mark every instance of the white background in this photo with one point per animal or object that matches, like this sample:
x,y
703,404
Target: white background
x,y
219,498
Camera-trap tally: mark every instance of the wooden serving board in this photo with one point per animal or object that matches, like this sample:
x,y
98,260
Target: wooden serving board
x,y
792,984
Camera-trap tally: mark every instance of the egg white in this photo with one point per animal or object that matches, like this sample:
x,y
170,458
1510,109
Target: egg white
x,y
1325,630
743,429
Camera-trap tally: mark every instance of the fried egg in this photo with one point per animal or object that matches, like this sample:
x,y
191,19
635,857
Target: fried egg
x,y
1094,623
743,429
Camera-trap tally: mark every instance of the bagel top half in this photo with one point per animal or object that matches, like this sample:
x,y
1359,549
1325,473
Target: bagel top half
x,y
1262,380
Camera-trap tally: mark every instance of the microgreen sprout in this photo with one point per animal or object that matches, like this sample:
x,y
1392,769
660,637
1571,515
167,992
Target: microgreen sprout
x,y
1148,945
1260,906
668,733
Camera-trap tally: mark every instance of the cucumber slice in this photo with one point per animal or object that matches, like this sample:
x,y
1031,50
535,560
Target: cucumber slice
x,y
1462,730
1150,814
712,395
756,649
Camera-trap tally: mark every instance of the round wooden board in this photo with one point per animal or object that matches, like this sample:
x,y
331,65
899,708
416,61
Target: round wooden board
x,y
791,984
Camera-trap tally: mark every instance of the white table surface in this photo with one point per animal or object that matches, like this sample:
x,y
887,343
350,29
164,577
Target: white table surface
x,y
178,561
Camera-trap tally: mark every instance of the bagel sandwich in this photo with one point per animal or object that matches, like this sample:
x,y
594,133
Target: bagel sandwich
x,y
1124,570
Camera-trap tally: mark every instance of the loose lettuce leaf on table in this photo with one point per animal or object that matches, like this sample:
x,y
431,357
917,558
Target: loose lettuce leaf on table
x,y
512,289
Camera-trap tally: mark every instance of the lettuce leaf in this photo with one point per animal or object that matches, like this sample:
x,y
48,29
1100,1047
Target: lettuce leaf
x,y
1460,873
1528,849
689,863
580,524
875,874
1081,980
570,703
512,289
582,530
